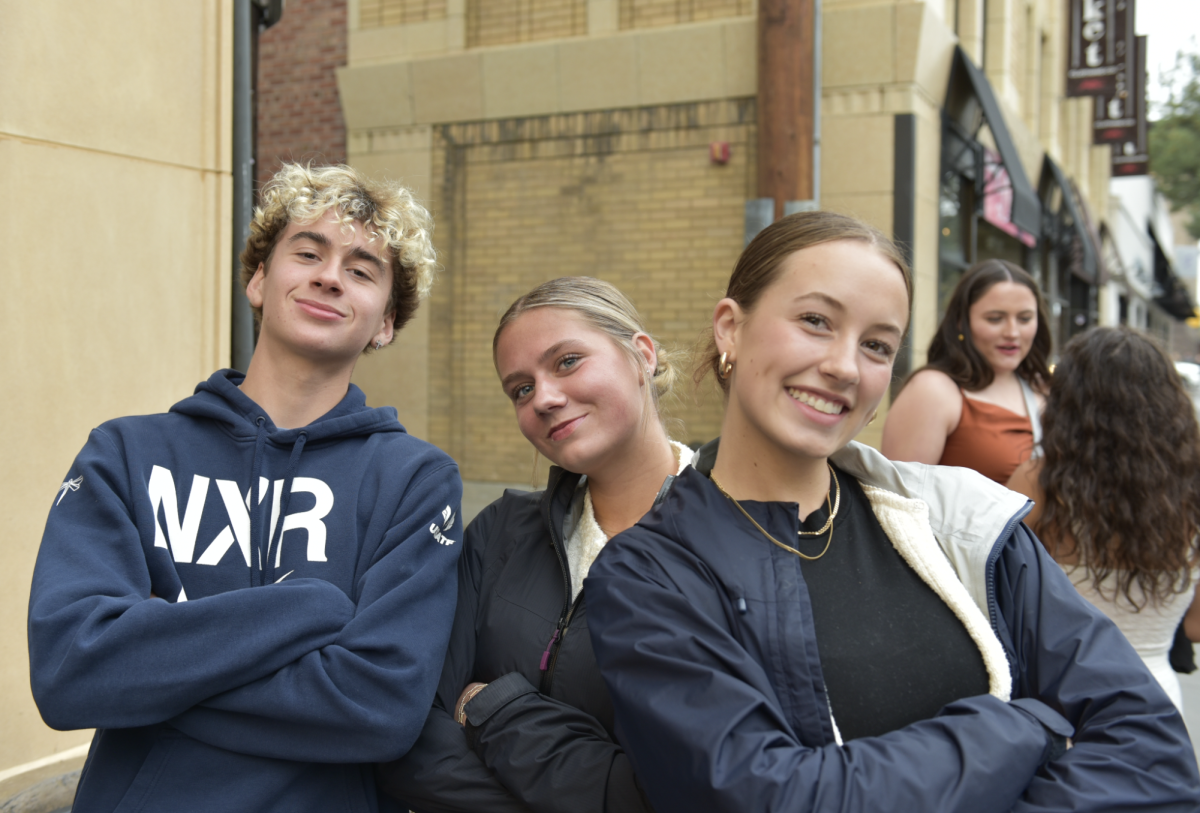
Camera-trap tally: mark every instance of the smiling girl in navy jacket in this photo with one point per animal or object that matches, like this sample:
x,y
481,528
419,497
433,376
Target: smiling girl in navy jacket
x,y
803,625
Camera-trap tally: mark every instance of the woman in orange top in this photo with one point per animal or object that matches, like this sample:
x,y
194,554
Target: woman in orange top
x,y
977,400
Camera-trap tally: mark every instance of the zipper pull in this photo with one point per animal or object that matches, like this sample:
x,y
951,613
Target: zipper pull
x,y
546,655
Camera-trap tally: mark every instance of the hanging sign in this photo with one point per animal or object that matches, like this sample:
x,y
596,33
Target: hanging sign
x,y
1100,45
1117,112
1131,152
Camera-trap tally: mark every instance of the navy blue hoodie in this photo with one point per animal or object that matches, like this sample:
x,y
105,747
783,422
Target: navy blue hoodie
x,y
244,648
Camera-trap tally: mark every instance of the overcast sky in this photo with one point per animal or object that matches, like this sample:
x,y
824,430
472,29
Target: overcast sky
x,y
1170,26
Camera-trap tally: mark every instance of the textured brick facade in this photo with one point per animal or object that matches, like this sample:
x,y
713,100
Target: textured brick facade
x,y
628,196
501,22
654,13
299,113
380,13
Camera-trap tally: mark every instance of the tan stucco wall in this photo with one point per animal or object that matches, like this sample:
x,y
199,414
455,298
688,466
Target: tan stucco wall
x,y
115,155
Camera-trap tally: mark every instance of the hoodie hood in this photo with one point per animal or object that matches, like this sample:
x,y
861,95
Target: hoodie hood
x,y
219,399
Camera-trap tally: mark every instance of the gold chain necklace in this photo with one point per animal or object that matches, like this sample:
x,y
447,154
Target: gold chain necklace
x,y
837,502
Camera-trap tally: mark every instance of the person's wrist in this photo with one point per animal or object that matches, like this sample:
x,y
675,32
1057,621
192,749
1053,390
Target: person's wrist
x,y
460,711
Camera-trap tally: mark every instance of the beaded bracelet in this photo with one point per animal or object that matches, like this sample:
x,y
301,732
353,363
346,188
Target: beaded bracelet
x,y
460,711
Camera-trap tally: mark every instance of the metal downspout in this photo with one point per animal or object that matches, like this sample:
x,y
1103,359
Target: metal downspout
x,y
241,319
816,149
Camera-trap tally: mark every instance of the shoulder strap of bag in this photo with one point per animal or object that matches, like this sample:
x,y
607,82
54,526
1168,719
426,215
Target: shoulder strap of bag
x,y
1031,407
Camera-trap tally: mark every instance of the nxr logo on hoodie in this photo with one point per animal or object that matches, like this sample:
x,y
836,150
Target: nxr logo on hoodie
x,y
181,531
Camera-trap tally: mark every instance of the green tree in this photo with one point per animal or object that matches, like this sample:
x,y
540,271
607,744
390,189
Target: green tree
x,y
1175,142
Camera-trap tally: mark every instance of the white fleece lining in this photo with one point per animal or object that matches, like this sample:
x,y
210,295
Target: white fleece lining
x,y
906,523
589,538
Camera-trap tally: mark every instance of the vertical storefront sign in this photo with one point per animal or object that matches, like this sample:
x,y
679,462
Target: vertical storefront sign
x,y
1131,152
1116,114
1100,44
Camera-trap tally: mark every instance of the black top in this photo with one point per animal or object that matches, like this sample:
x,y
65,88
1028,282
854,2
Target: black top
x,y
892,652
704,634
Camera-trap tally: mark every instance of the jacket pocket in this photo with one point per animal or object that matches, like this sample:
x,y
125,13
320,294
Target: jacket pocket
x,y
183,774
151,772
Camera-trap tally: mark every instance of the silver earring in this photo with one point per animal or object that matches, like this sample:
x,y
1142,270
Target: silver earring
x,y
378,344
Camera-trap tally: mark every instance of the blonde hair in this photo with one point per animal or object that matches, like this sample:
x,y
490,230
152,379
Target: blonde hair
x,y
387,212
604,307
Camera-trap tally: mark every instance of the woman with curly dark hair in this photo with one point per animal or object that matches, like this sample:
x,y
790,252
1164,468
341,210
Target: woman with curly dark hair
x,y
976,402
1118,488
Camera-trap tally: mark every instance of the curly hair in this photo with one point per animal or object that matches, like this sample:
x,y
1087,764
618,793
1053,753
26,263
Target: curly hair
x,y
604,307
1121,472
758,266
958,358
387,211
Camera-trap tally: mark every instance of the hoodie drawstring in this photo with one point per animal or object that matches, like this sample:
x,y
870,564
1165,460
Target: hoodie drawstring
x,y
260,441
285,499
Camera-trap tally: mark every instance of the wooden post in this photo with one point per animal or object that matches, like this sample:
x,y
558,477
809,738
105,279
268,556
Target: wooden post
x,y
785,101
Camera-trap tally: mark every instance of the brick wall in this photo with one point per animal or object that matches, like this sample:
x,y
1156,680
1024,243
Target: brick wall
x,y
501,22
654,13
379,13
299,114
628,196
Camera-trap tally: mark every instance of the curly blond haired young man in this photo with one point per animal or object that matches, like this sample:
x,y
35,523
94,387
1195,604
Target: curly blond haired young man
x,y
249,597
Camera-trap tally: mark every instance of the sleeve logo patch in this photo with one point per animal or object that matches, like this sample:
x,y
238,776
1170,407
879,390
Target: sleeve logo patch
x,y
438,531
69,485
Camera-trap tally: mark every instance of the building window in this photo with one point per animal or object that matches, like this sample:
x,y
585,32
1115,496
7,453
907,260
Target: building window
x,y
1067,260
988,210
955,206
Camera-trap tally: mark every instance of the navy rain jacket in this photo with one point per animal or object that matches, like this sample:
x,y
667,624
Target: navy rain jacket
x,y
704,634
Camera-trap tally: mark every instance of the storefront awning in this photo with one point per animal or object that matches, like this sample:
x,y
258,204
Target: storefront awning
x,y
1169,293
1090,261
1026,209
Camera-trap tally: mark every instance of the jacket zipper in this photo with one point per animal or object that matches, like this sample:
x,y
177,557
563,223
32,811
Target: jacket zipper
x,y
556,642
550,656
989,568
554,646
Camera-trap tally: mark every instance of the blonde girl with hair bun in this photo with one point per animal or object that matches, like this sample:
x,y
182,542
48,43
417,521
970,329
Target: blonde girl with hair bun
x,y
522,719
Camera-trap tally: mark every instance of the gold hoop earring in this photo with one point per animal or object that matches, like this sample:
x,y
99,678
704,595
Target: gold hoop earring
x,y
724,367
874,415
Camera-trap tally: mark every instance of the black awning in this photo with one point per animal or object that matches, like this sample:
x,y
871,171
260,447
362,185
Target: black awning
x,y
1090,261
1169,293
1026,209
